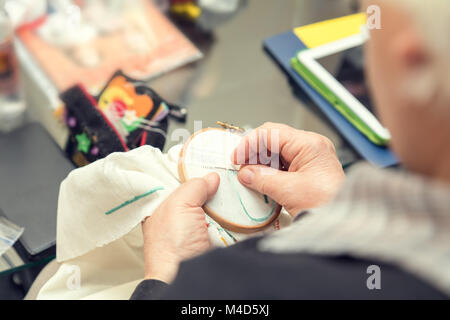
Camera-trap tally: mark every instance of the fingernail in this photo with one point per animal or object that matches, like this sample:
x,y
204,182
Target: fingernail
x,y
213,181
211,178
246,176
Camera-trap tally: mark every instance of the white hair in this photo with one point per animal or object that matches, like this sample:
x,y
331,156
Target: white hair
x,y
432,19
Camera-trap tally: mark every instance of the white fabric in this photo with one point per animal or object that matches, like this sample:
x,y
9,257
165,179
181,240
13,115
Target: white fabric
x,y
88,193
103,272
105,250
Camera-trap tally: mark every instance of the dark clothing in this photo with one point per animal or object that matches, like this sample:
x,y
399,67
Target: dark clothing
x,y
243,272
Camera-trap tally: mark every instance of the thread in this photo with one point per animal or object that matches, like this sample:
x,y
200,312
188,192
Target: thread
x,y
134,200
229,173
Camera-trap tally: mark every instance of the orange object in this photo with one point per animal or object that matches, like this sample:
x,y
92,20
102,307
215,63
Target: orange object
x,y
122,92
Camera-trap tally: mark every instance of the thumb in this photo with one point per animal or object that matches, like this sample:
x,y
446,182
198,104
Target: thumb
x,y
195,192
266,180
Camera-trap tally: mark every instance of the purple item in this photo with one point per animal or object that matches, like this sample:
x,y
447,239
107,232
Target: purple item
x,y
72,122
94,151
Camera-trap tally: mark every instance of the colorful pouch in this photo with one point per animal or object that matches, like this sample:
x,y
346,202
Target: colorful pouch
x,y
126,114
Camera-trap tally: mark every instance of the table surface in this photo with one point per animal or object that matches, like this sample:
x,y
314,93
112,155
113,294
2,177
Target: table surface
x,y
237,82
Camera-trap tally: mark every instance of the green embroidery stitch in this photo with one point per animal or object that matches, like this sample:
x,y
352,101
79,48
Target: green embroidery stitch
x,y
219,228
242,203
134,200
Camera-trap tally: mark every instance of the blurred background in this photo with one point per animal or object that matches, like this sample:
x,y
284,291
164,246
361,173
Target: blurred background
x,y
204,58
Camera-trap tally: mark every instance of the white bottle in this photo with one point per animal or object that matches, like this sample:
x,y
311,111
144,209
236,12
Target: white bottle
x,y
12,105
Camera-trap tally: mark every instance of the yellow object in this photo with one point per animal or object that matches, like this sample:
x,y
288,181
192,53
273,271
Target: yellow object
x,y
59,112
189,10
224,241
229,126
320,33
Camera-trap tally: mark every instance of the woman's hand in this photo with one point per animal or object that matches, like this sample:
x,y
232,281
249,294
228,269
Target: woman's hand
x,y
309,175
177,229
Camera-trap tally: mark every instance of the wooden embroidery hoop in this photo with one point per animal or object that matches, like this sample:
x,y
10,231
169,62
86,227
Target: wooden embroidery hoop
x,y
214,215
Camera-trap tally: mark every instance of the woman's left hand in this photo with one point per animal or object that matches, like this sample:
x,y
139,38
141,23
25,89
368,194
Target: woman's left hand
x,y
177,230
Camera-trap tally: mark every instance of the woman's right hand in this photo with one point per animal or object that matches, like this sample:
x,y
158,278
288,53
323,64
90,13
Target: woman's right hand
x,y
309,174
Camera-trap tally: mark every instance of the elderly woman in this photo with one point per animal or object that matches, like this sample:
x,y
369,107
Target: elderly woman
x,y
378,234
